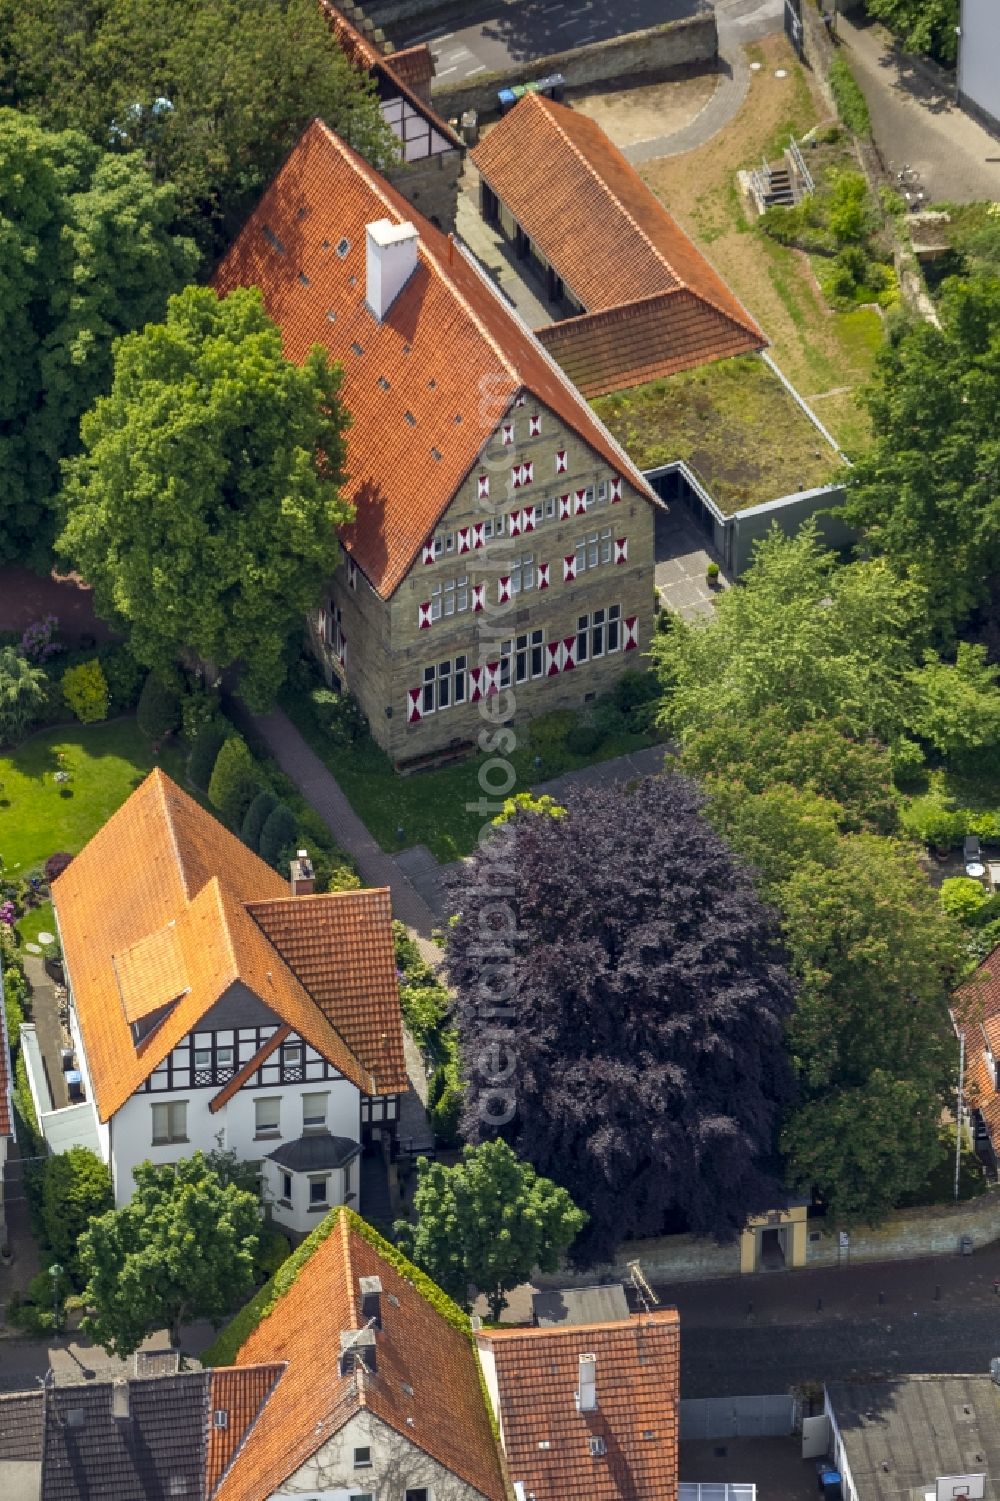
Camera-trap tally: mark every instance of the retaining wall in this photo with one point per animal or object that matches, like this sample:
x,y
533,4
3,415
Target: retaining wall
x,y
906,1236
656,53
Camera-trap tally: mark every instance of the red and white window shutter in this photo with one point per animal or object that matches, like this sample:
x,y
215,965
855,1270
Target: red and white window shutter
x,y
491,679
516,476
561,461
475,684
534,426
514,523
579,501
521,400
553,652
528,520
543,575
413,696
564,507
616,488
478,533
483,487
503,590
478,598
424,615
528,471
464,538
631,633
569,566
621,549
428,550
569,654
322,625
342,653
507,433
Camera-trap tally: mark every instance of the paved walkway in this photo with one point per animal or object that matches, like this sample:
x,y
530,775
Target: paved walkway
x,y
739,22
915,119
682,558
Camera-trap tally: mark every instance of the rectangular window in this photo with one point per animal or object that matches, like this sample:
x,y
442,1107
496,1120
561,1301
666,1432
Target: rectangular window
x,y
614,627
421,1493
550,508
286,1187
444,685
170,1122
203,1057
318,1191
581,555
506,653
522,573
588,496
313,1112
597,634
362,1458
605,545
458,696
224,1057
438,546
592,542
602,491
582,628
291,1055
537,653
267,1115
521,659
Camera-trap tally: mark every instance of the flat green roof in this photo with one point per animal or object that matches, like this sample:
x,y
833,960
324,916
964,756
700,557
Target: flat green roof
x,y
733,423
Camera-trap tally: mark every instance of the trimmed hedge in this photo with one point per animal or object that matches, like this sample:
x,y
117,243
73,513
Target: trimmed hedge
x,y
257,815
278,834
205,752
159,709
852,106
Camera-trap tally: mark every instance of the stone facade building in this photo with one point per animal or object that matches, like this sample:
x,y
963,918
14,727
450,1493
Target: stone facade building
x,y
503,542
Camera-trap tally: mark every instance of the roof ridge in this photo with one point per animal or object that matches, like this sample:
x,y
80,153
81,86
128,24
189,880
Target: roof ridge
x,y
665,1318
162,780
544,103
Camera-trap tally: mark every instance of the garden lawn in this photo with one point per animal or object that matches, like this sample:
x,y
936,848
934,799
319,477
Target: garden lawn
x,y
441,809
38,816
826,355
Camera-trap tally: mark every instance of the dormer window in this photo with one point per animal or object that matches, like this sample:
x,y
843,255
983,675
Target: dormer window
x,y
291,1057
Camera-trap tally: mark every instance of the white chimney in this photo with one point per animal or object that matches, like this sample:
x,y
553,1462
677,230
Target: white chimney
x,y
119,1400
392,260
587,1395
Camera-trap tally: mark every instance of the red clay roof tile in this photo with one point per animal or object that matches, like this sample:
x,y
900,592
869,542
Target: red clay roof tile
x,y
546,1437
448,354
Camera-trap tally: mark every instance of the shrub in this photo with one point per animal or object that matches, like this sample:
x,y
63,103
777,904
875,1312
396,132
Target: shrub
x,y
37,643
256,816
712,572
634,689
609,718
445,1098
907,759
235,781
986,825
22,694
199,708
204,753
961,897
331,868
76,1187
124,675
85,689
338,716
273,1250
159,710
279,833
584,739
425,1010
56,864
934,824
13,1011
852,106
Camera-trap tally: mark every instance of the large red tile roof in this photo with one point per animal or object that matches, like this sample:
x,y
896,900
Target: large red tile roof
x,y
546,1438
426,1384
613,243
156,911
433,380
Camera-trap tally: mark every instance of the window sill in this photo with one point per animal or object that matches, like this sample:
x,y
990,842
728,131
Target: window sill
x,y
319,1208
170,1141
266,1135
315,1130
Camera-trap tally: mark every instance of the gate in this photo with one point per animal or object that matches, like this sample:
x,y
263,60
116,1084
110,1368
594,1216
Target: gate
x,y
738,1417
793,27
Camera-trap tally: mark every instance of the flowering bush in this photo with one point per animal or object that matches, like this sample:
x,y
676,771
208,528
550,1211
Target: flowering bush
x,y
8,914
37,643
85,689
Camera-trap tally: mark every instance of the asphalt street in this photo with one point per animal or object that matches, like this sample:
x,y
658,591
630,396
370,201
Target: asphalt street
x,y
768,1332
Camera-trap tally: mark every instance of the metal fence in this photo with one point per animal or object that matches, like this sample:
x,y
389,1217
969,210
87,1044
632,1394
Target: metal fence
x,y
738,1417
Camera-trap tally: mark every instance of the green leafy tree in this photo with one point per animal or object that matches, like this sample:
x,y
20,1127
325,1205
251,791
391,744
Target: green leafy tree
x,y
775,830
182,1248
85,689
158,712
962,898
239,81
204,753
956,705
805,638
236,781
847,214
86,254
926,495
922,25
489,1220
256,816
278,834
75,1189
204,508
22,694
876,960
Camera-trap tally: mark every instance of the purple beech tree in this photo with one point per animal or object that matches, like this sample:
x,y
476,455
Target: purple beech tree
x,y
621,999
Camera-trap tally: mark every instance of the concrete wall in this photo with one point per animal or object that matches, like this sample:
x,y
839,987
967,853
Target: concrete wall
x,y
906,1236
978,54
397,1465
431,185
790,513
639,56
296,1213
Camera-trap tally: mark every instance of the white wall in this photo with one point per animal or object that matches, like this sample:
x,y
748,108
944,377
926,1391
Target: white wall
x,y
396,1464
296,1215
132,1127
979,55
